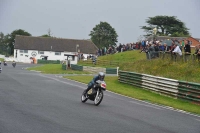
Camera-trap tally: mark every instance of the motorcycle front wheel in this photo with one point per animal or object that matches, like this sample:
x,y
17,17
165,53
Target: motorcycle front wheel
x,y
83,97
98,98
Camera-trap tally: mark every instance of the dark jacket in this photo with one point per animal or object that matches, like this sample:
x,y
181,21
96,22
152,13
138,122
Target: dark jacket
x,y
91,83
187,48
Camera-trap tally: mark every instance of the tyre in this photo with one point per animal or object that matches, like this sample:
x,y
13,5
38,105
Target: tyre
x,y
83,97
98,98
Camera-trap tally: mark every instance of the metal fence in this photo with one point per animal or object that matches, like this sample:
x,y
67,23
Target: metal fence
x,y
95,69
178,89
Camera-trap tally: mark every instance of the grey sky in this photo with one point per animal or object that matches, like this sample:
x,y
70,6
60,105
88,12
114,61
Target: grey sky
x,y
76,18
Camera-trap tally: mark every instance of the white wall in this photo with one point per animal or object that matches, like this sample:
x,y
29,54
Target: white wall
x,y
25,57
2,56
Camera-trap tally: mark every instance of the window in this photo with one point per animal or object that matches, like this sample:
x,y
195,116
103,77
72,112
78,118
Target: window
x,y
23,51
41,52
57,53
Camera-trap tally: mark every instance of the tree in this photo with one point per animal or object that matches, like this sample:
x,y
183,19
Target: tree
x,y
166,25
49,34
2,43
103,35
45,35
11,38
4,47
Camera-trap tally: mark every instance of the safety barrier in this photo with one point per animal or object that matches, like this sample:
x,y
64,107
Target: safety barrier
x,y
101,62
48,61
95,69
178,89
76,67
189,91
64,67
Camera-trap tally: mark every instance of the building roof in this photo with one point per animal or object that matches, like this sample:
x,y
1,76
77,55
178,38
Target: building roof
x,y
197,39
54,44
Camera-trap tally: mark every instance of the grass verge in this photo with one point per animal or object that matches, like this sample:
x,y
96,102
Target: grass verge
x,y
134,61
55,69
1,59
142,94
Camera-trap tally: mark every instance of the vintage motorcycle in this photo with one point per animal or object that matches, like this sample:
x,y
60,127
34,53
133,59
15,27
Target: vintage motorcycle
x,y
5,63
14,64
95,93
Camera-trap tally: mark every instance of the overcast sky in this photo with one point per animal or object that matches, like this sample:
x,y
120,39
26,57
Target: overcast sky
x,y
75,18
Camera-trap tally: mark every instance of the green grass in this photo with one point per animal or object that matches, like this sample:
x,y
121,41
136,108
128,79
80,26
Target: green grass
x,y
129,56
135,61
55,69
1,59
142,94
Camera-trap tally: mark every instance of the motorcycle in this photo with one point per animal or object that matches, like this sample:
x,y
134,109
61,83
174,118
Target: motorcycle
x,y
95,93
14,64
5,64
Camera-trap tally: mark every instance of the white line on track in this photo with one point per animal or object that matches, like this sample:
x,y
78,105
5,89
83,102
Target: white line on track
x,y
197,120
145,105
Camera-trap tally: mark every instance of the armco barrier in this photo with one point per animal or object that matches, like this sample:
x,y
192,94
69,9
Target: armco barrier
x,y
77,67
175,88
64,67
189,91
48,61
95,69
111,71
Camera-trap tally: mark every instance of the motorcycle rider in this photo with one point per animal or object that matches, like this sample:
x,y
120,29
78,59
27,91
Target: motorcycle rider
x,y
14,63
100,76
0,67
4,62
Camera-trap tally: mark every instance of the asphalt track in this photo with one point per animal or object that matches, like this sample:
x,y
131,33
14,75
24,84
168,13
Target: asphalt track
x,y
31,102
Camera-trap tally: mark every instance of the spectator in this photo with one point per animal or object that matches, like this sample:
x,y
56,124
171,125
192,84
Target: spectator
x,y
182,44
197,51
166,48
177,50
187,48
187,51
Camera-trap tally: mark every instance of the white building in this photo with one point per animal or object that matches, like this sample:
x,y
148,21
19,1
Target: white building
x,y
49,48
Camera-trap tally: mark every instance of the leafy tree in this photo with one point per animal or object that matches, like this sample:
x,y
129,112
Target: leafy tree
x,y
103,35
11,38
177,34
49,34
166,25
4,48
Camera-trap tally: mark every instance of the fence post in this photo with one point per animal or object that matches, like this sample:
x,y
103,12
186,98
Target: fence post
x,y
117,71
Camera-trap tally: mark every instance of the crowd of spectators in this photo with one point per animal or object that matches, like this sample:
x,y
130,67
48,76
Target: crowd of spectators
x,y
152,47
